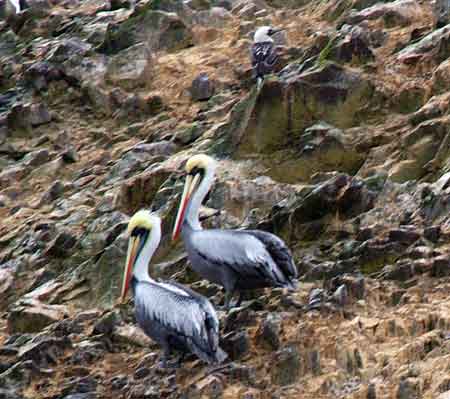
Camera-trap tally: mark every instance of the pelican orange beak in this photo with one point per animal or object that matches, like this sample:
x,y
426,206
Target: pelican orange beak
x,y
133,246
189,187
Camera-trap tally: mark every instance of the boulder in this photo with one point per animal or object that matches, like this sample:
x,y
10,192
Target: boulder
x,y
396,13
31,315
202,88
433,47
274,122
159,30
285,366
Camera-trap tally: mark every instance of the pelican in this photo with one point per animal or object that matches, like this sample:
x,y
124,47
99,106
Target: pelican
x,y
171,314
263,53
235,259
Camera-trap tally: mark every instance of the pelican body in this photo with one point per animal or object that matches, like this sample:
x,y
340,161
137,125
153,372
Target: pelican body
x,y
263,52
172,315
237,260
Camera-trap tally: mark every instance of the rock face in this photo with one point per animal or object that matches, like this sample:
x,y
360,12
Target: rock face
x,y
343,152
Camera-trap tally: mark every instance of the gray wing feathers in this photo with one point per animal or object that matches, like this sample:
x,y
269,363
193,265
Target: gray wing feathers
x,y
195,321
279,252
244,252
264,58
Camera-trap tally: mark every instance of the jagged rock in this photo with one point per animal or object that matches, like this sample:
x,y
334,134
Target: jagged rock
x,y
353,47
26,116
216,17
61,245
210,387
40,74
273,121
440,266
75,386
107,323
286,365
6,283
44,351
36,158
235,344
70,155
404,235
202,88
396,13
269,333
409,389
441,12
441,76
161,30
432,233
130,335
30,315
140,190
18,376
86,352
132,68
433,47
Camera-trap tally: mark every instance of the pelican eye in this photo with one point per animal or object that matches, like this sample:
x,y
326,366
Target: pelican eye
x,y
196,171
139,231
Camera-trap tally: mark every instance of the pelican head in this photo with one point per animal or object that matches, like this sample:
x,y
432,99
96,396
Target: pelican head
x,y
141,228
264,33
198,168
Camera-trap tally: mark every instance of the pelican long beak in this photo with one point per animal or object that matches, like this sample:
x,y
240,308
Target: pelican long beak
x,y
133,246
189,187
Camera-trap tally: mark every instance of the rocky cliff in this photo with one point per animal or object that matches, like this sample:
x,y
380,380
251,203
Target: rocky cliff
x,y
344,153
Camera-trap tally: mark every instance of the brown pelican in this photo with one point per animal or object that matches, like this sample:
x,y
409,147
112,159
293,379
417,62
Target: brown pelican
x,y
263,52
235,259
171,314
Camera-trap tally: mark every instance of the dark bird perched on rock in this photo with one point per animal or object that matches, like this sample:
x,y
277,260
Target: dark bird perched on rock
x,y
263,52
172,315
235,259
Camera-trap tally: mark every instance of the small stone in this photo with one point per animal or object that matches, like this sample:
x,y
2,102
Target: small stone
x,y
211,387
118,381
285,367
432,233
70,155
141,372
31,315
107,323
36,158
269,332
403,235
202,88
128,334
409,388
61,245
54,192
235,344
440,266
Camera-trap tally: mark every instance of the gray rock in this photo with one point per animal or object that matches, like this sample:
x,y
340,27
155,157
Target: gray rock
x,y
202,88
235,344
27,116
107,323
70,155
269,332
285,366
428,47
161,30
30,315
36,158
